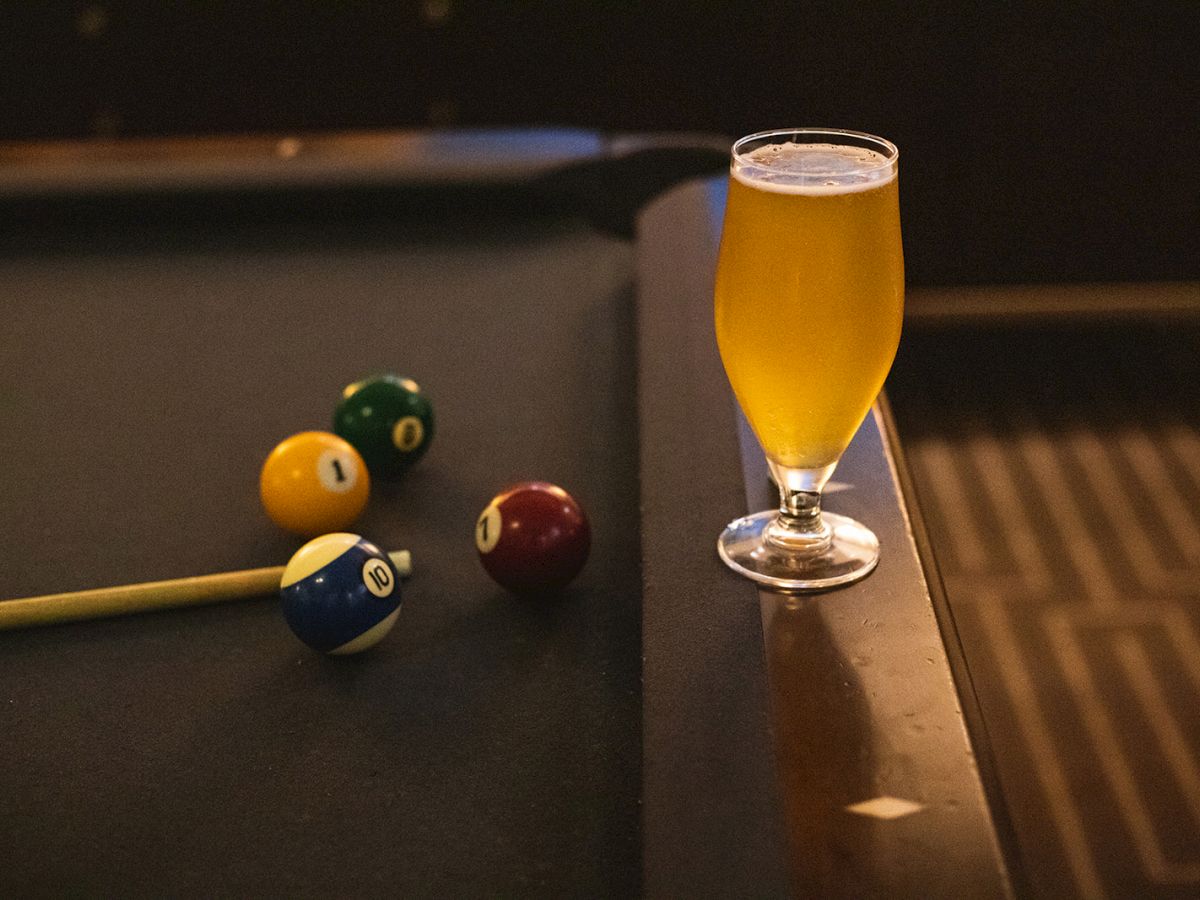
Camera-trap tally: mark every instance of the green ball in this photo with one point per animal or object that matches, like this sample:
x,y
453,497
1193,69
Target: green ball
x,y
388,421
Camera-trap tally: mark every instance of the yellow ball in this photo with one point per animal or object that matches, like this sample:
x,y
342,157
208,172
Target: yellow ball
x,y
314,482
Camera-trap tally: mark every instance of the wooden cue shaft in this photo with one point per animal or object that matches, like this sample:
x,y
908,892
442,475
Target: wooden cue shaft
x,y
98,603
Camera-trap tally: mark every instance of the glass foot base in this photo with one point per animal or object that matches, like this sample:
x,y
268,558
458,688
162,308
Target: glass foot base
x,y
852,555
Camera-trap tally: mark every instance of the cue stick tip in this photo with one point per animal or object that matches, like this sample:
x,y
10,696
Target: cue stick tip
x,y
402,560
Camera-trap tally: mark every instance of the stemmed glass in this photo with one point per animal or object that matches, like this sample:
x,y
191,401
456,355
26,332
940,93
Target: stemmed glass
x,y
809,301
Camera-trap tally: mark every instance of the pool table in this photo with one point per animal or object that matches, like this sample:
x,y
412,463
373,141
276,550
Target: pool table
x,y
175,308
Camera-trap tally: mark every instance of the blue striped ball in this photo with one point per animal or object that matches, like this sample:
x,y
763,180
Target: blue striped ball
x,y
341,593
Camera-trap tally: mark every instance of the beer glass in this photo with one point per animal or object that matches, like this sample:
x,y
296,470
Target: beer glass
x,y
809,299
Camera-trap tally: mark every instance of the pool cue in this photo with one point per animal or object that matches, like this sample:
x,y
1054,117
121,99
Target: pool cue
x,y
97,603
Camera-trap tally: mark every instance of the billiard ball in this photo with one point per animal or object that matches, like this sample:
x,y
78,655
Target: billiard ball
x,y
388,420
533,538
341,594
314,482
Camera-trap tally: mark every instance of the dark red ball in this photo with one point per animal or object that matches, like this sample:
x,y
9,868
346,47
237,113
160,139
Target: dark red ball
x,y
533,538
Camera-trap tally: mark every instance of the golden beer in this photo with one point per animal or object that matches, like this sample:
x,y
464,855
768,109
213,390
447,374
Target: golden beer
x,y
809,294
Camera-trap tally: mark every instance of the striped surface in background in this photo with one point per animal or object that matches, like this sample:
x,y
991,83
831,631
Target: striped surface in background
x,y
1058,469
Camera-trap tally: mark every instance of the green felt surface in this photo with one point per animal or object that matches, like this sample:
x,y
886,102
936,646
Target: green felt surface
x,y
488,743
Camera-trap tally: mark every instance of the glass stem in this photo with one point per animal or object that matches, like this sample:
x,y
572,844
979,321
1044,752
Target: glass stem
x,y
801,510
799,527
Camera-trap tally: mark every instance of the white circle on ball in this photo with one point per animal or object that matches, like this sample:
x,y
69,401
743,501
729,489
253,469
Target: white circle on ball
x,y
337,470
487,529
408,433
378,578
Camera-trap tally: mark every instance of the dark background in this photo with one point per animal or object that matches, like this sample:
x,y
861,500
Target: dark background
x,y
1041,142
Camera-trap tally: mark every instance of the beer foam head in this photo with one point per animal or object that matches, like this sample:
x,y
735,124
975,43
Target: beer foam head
x,y
792,168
